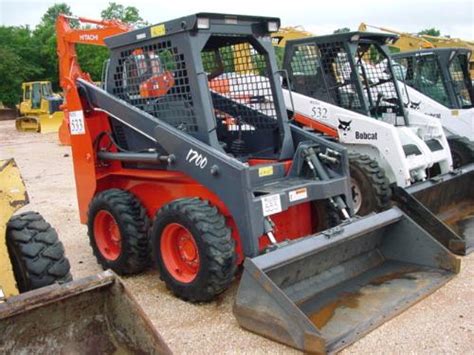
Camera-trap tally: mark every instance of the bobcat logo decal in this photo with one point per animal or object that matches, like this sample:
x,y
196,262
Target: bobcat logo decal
x,y
415,105
345,126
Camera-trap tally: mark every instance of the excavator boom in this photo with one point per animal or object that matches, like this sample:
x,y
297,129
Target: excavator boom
x,y
69,69
410,42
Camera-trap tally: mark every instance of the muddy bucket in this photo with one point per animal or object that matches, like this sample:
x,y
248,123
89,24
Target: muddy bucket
x,y
324,292
444,206
94,315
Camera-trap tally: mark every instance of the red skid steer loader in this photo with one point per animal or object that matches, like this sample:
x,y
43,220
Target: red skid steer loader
x,y
201,178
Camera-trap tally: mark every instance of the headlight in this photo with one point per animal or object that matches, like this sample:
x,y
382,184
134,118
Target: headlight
x,y
272,26
203,23
355,38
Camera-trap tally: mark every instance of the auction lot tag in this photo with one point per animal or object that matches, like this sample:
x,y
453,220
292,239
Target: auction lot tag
x,y
76,123
271,204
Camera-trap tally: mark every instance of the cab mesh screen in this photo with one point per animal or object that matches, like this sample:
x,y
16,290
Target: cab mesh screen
x,y
424,75
238,78
378,82
154,78
461,85
323,72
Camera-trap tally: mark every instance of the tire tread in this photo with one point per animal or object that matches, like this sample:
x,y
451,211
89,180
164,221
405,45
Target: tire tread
x,y
377,178
40,253
132,214
218,245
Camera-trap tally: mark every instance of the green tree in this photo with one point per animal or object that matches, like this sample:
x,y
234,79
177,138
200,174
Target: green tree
x,y
18,62
342,30
92,58
128,14
430,32
49,18
279,53
45,37
27,55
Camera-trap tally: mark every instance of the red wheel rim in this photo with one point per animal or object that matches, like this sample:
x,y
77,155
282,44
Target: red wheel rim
x,y
179,252
107,235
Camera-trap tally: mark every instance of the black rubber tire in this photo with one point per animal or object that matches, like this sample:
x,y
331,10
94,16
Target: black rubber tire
x,y
37,255
327,215
215,246
133,224
462,151
372,181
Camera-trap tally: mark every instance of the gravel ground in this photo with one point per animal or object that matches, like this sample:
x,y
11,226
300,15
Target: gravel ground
x,y
441,323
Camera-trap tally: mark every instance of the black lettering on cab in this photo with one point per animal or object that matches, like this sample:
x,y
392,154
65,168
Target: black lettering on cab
x,y
365,135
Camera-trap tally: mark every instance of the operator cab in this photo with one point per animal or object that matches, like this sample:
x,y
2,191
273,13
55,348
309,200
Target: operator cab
x,y
35,92
240,85
351,70
439,73
235,73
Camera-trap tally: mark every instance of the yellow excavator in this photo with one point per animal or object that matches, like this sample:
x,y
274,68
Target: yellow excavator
x,y
288,33
40,108
41,310
411,42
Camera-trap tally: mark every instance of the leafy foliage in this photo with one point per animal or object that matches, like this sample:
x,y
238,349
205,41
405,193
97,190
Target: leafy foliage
x,y
342,30
49,18
430,32
92,58
45,37
127,14
29,55
17,50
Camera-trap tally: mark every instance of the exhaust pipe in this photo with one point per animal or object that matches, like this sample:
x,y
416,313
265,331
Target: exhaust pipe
x,y
444,206
323,292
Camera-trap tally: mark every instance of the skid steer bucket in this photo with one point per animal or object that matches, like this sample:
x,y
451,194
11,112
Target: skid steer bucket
x,y
444,206
94,315
324,292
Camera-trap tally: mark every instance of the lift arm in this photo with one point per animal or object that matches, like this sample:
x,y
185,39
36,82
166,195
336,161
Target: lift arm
x,y
407,41
411,42
288,33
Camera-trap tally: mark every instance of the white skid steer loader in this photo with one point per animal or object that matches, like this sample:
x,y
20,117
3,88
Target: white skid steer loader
x,y
339,89
344,86
438,84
